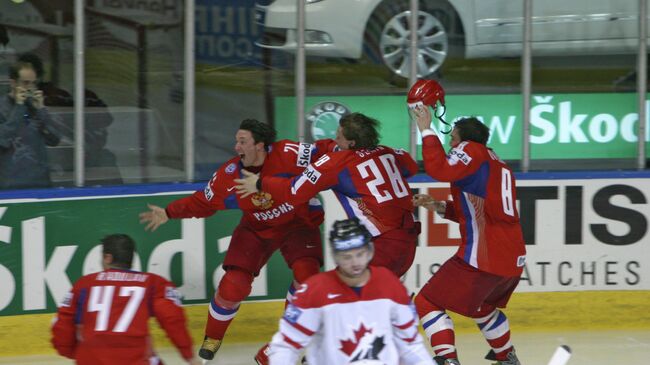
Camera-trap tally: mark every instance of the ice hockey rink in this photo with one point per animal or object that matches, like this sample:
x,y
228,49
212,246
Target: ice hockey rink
x,y
534,348
601,328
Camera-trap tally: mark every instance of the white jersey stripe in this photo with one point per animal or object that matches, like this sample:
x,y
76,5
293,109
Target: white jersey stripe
x,y
473,259
292,332
297,184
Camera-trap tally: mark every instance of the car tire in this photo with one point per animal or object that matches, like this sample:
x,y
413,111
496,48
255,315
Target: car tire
x,y
387,36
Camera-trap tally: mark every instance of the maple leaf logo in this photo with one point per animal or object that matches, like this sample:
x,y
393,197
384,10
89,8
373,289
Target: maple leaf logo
x,y
348,346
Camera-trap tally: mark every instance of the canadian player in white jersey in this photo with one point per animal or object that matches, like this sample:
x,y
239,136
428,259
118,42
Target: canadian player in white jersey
x,y
354,314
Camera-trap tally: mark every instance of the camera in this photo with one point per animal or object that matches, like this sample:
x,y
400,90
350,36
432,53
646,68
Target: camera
x,y
29,96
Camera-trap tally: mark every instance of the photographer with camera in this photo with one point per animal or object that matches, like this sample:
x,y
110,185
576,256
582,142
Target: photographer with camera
x,y
97,117
26,128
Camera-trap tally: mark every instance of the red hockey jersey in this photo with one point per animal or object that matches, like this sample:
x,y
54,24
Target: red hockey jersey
x,y
338,325
484,204
269,215
104,319
370,184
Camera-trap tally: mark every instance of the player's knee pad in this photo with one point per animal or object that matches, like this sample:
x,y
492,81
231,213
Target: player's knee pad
x,y
235,285
424,306
305,267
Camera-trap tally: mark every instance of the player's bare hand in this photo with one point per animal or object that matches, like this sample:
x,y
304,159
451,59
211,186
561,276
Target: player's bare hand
x,y
422,115
422,200
248,184
426,201
20,95
38,99
154,218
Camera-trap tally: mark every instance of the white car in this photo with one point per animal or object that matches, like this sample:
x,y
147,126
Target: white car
x,y
478,28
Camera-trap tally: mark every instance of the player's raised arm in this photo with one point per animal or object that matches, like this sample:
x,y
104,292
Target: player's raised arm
x,y
203,203
426,100
319,176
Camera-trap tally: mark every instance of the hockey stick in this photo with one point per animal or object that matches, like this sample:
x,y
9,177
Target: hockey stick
x,y
561,356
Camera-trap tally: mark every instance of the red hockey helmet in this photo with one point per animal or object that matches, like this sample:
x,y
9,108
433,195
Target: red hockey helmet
x,y
427,92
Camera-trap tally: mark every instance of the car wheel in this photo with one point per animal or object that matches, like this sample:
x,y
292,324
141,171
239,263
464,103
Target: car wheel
x,y
388,36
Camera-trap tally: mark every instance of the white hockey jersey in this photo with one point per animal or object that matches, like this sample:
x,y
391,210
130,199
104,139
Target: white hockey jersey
x,y
340,327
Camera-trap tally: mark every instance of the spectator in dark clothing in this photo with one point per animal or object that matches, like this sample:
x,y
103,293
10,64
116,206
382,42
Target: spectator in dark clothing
x,y
26,127
96,127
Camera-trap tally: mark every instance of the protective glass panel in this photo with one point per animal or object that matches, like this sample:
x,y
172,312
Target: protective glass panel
x,y
134,91
233,78
584,109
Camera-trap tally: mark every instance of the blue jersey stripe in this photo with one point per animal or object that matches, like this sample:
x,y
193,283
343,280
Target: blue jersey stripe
x,y
345,185
476,183
345,204
231,202
78,316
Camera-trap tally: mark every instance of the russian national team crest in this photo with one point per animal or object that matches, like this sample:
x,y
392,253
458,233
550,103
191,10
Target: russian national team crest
x,y
262,200
323,119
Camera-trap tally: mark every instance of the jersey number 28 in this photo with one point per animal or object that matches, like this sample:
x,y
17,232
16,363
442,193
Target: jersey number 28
x,y
369,167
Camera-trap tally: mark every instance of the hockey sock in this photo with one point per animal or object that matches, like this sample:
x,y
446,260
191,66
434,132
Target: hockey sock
x,y
234,287
302,268
438,327
290,292
496,330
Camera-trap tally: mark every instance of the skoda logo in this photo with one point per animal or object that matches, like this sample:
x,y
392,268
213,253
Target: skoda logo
x,y
324,118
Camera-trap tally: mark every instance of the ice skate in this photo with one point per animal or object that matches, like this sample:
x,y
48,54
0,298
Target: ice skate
x,y
209,348
511,360
440,360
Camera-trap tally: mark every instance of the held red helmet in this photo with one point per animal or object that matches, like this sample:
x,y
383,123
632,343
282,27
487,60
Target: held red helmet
x,y
427,92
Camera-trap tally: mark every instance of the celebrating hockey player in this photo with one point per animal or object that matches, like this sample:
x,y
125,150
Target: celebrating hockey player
x,y
354,314
267,224
370,182
485,271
